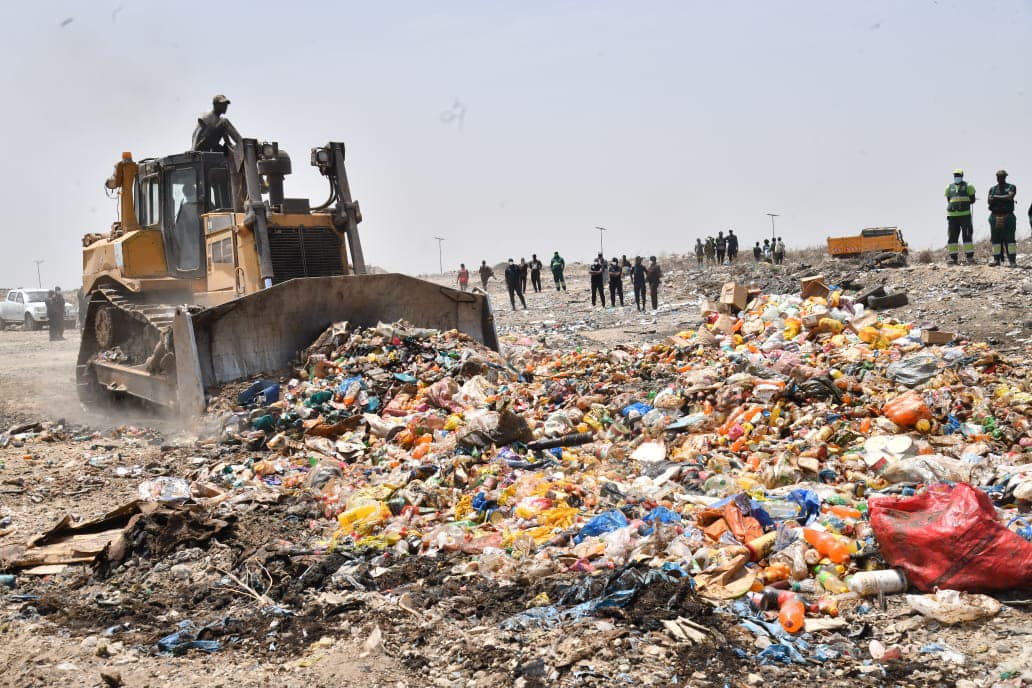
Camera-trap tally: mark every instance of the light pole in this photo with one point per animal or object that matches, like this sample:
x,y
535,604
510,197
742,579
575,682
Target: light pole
x,y
39,280
600,230
440,255
772,216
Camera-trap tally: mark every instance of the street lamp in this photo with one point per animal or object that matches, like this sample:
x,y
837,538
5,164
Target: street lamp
x,y
440,255
772,216
39,280
600,230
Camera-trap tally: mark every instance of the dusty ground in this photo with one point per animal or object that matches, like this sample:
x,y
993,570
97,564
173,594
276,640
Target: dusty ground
x,y
437,626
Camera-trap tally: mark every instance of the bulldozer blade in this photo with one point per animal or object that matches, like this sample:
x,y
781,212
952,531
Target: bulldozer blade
x,y
263,332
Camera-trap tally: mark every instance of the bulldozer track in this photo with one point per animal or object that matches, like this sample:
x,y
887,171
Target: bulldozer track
x,y
115,320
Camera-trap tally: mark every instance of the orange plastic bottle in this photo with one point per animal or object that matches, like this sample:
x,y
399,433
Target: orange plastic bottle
x,y
827,544
844,511
792,614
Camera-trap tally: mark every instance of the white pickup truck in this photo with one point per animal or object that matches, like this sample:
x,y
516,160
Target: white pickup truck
x,y
28,307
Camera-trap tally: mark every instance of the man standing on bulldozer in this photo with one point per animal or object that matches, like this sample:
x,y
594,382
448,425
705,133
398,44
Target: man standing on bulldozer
x,y
959,197
1003,226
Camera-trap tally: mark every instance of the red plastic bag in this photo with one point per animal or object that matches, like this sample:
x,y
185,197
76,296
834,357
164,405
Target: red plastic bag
x,y
948,537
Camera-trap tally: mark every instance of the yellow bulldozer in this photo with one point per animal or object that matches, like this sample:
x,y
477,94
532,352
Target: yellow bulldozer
x,y
210,274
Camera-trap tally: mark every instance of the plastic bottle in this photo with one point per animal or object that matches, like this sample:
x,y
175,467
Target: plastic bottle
x,y
761,546
791,610
843,511
867,583
792,614
830,582
774,573
827,544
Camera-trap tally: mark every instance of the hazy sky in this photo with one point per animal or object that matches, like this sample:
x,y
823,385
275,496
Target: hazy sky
x,y
663,121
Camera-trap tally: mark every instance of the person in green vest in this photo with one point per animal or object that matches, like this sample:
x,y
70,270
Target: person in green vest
x,y
1003,226
558,265
959,197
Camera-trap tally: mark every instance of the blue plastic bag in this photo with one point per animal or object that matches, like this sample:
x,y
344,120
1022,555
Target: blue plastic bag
x,y
660,514
639,407
606,522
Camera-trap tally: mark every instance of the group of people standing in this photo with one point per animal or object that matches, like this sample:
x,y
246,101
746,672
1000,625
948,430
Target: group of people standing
x,y
641,275
771,251
516,276
1003,225
643,278
714,250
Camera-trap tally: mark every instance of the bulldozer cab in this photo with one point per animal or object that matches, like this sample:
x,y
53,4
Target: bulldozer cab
x,y
172,194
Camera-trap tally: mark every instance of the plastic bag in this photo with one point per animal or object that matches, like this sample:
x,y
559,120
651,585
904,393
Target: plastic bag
x,y
164,489
914,370
606,522
950,606
927,469
948,537
906,409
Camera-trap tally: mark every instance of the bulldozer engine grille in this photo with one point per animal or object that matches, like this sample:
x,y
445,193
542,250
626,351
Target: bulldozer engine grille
x,y
304,252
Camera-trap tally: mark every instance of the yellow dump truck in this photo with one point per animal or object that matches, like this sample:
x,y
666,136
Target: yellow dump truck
x,y
872,241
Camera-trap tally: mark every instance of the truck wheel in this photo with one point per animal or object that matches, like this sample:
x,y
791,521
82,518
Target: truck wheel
x,y
30,323
879,303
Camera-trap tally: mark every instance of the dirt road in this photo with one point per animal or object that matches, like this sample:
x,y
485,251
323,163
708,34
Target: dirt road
x,y
37,376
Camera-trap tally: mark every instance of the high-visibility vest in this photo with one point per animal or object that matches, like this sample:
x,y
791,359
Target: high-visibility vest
x,y
958,199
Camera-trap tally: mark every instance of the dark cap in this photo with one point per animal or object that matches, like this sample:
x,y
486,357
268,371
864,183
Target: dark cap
x,y
1001,173
220,99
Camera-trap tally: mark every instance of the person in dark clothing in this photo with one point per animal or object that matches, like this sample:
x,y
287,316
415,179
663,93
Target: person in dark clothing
x,y
638,280
523,275
732,246
55,305
1002,223
598,272
514,285
721,248
486,273
558,265
214,132
535,272
757,252
615,281
699,251
653,275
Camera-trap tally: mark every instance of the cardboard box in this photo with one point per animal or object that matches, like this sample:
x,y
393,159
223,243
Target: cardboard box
x,y
937,337
734,294
725,324
813,286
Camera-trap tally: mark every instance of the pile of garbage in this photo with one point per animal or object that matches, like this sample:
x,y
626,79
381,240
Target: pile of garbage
x,y
788,460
